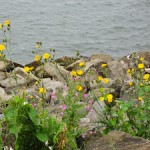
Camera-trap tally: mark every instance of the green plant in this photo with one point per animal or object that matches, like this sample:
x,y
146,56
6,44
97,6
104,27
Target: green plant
x,y
30,127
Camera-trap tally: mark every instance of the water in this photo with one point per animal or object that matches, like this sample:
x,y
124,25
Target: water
x,y
113,27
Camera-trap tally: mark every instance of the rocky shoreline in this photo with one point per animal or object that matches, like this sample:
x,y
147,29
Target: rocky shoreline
x,y
53,80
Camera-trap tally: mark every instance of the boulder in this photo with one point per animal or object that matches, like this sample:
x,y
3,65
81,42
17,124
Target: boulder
x,y
54,71
102,57
116,140
2,76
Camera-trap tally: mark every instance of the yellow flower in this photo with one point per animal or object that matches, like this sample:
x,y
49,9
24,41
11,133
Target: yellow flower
x,y
81,64
73,73
128,71
37,57
80,72
79,88
140,98
105,80
1,26
146,77
37,46
41,90
109,98
130,83
6,22
46,56
141,85
2,47
133,69
31,68
140,66
31,96
101,98
141,59
103,65
26,69
100,78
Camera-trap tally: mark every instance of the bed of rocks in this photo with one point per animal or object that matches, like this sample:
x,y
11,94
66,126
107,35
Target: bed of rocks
x,y
53,80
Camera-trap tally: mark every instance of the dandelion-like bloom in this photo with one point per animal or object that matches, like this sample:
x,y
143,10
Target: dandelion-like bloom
x,y
140,98
73,73
46,55
130,83
79,88
146,77
129,70
31,68
81,64
109,98
100,78
101,98
1,26
6,22
26,69
80,72
37,57
2,47
105,80
140,66
133,69
141,59
103,65
41,90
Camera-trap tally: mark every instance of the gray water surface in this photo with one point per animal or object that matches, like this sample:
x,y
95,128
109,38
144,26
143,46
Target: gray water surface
x,y
115,27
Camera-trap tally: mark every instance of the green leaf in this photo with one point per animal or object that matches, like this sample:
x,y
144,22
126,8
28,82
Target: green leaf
x,y
42,136
14,129
34,116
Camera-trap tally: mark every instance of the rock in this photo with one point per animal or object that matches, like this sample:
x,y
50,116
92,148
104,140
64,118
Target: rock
x,y
75,65
2,76
22,78
66,61
116,140
102,57
2,66
56,72
117,70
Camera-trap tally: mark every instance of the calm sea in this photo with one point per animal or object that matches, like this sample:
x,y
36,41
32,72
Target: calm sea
x,y
115,27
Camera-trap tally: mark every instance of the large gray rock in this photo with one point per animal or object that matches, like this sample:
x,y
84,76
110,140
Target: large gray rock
x,y
102,57
116,140
18,77
54,71
2,66
118,70
2,76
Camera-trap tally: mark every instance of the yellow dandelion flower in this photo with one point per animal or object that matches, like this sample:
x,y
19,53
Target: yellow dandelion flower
x,y
41,90
46,55
26,69
37,57
80,72
31,96
73,73
110,98
141,59
6,22
103,65
105,80
141,84
79,88
100,78
133,69
1,26
2,47
128,71
101,98
31,68
146,77
140,66
81,64
130,83
140,98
